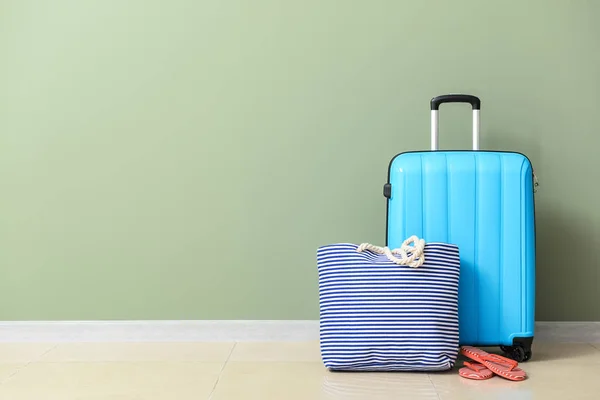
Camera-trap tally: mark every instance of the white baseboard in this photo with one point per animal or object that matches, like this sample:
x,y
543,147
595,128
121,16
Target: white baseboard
x,y
559,331
158,331
228,331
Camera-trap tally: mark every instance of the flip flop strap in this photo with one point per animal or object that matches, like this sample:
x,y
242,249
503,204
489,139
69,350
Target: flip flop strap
x,y
501,360
474,366
475,354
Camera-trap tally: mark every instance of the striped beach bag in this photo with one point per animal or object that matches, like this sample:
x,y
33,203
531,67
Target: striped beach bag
x,y
389,310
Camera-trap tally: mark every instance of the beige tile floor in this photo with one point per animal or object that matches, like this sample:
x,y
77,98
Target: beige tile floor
x,y
247,370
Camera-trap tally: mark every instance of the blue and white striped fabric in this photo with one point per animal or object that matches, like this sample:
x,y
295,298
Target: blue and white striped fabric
x,y
376,315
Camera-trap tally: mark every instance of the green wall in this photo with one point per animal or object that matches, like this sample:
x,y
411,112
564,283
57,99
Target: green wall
x,y
183,159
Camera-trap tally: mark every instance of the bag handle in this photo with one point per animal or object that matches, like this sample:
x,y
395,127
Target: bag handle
x,y
415,260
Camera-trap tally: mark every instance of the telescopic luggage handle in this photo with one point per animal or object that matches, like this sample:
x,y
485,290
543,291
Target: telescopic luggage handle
x,y
454,98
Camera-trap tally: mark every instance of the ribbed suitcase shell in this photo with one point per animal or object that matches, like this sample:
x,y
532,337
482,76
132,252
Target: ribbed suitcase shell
x,y
483,202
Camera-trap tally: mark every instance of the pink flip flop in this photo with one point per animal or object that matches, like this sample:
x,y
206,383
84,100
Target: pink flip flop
x,y
475,371
502,366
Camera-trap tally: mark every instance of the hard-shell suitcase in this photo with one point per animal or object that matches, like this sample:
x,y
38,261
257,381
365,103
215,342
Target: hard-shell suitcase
x,y
483,202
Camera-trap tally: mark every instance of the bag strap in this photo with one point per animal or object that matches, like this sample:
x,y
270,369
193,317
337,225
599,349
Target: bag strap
x,y
415,260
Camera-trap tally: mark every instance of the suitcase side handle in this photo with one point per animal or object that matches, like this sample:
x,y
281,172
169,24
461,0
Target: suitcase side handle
x,y
454,98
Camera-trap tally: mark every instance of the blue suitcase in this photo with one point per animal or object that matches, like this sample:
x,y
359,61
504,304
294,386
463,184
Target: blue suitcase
x,y
482,201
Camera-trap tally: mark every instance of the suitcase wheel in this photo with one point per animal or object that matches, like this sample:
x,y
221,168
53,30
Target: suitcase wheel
x,y
520,351
517,353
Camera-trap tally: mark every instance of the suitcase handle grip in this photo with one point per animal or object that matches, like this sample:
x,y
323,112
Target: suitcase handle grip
x,y
454,98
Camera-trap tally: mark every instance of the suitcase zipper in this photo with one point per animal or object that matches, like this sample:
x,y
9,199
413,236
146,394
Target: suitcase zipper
x,y
387,188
